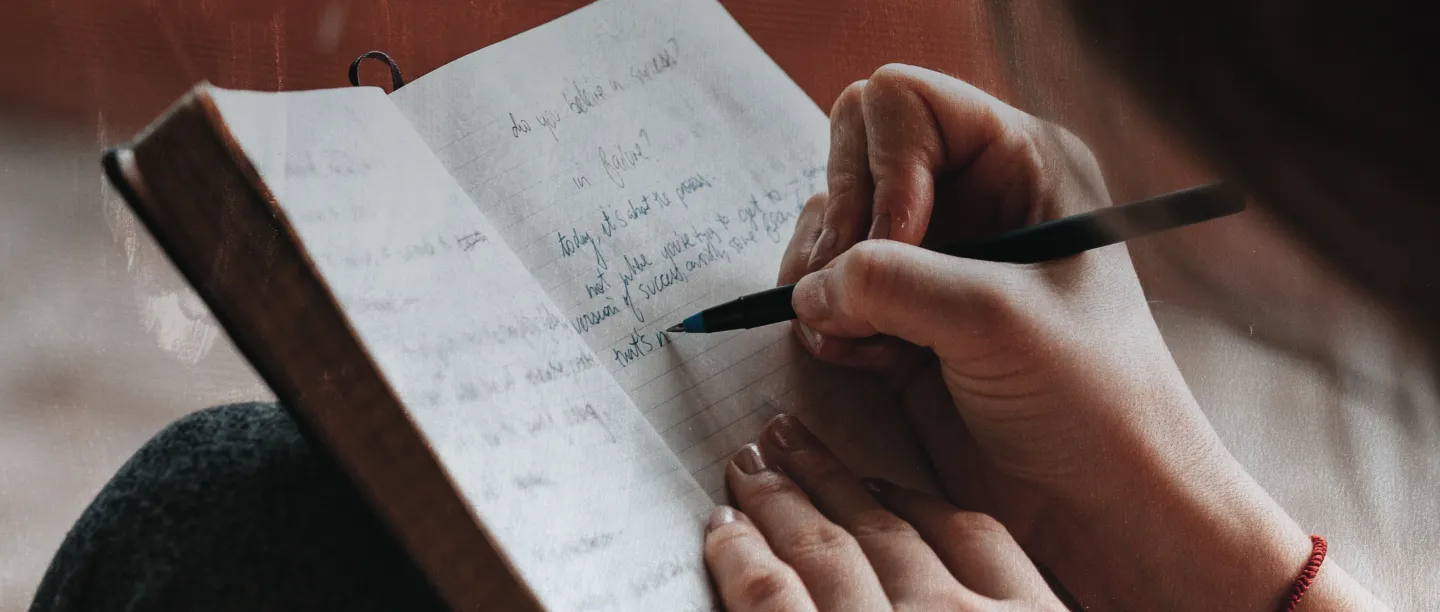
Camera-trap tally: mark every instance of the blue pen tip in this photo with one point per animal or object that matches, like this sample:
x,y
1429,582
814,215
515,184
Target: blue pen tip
x,y
694,324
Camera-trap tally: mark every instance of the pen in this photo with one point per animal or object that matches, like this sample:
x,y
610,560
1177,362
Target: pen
x,y
1045,241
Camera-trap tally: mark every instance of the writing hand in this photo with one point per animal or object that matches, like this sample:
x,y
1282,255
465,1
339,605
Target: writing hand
x,y
812,537
1043,393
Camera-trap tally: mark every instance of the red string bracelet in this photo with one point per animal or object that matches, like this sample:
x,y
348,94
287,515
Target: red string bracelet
x,y
1307,574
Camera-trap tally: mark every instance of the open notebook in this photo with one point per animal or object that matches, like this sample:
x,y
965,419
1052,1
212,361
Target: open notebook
x,y
458,289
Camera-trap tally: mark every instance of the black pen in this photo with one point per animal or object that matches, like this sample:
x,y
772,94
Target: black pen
x,y
1040,242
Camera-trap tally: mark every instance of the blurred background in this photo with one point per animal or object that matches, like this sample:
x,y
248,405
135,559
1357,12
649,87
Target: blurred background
x,y
102,343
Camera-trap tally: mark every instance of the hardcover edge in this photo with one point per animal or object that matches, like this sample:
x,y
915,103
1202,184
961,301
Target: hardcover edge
x,y
119,169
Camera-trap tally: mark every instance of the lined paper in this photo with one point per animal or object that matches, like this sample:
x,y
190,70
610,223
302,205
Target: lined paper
x,y
645,159
582,494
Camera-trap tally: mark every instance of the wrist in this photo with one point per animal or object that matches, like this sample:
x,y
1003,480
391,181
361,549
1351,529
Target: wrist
x,y
1334,589
1180,526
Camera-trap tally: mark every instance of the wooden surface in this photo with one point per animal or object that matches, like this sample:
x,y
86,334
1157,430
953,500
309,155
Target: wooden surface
x,y
118,64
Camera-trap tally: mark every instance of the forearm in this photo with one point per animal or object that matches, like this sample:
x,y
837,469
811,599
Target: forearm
x,y
1192,530
1210,540
1232,547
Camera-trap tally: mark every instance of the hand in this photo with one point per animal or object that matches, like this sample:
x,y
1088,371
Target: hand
x,y
1043,393
821,540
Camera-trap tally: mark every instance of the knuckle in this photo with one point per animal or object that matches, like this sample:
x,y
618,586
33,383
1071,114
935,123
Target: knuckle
x,y
887,87
1053,153
1070,145
1079,158
866,274
811,215
726,539
773,487
764,587
891,76
975,525
1031,168
872,523
815,204
816,541
847,187
850,96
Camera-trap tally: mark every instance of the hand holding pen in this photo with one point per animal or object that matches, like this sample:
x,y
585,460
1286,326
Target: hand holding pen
x,y
1042,393
1044,241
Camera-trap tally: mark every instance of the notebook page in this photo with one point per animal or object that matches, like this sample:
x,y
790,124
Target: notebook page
x,y
581,493
646,159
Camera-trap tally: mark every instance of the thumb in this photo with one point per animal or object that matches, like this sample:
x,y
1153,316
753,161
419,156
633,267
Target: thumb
x,y
937,301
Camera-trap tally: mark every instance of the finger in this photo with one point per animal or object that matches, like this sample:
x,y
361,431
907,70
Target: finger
x,y
892,360
908,569
795,264
847,214
748,574
919,123
796,260
949,304
827,558
975,547
887,358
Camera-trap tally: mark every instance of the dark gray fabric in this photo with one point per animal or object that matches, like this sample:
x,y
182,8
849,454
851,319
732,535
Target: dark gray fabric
x,y
231,509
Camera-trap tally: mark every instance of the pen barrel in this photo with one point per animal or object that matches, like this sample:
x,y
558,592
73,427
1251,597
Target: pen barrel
x,y
755,310
1041,242
1069,236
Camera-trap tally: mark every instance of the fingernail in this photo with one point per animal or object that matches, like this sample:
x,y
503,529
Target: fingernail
x,y
790,434
748,459
880,227
724,515
876,485
824,245
809,299
812,338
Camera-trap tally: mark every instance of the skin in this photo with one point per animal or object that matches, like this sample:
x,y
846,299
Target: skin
x,y
815,537
1046,398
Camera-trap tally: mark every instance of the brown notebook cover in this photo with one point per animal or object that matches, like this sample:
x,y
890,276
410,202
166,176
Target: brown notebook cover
x,y
219,223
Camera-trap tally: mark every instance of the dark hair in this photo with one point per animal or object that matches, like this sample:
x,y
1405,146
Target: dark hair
x,y
1325,111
